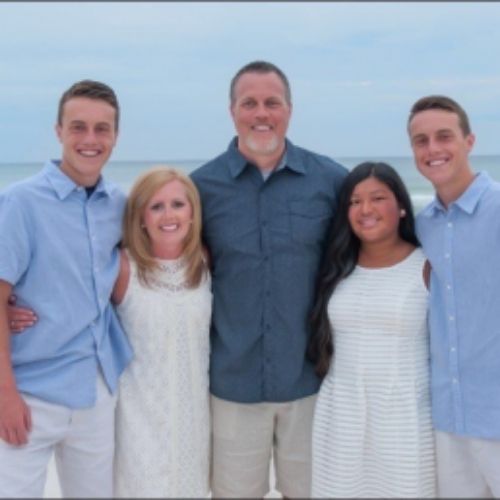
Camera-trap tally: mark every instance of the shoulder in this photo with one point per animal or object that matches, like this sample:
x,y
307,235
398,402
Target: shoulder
x,y
209,170
24,189
491,194
319,162
318,168
115,194
115,191
418,256
24,199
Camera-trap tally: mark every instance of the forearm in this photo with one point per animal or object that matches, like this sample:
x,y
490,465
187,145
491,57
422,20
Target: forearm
x,y
7,379
15,416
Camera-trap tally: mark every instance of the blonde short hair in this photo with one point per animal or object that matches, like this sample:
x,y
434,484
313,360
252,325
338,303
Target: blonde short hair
x,y
137,241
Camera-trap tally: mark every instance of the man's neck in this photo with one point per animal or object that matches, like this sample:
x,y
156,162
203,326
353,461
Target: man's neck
x,y
451,192
265,163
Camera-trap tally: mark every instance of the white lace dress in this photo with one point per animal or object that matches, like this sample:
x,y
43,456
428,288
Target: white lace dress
x,y
372,432
162,416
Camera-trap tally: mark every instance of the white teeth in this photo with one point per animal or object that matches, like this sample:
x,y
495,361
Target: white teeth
x,y
437,163
89,153
262,128
368,223
169,227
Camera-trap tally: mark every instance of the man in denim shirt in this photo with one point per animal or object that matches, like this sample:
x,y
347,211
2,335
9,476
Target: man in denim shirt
x,y
58,254
267,205
460,234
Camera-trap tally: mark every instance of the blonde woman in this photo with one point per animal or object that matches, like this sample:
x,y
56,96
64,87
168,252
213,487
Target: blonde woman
x,y
164,303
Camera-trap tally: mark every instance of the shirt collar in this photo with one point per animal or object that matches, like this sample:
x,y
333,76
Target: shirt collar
x,y
64,185
467,202
237,162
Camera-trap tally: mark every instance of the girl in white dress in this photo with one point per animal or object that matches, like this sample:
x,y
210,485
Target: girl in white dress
x,y
164,304
372,434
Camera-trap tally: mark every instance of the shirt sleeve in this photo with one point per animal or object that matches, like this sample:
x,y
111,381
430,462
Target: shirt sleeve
x,y
15,240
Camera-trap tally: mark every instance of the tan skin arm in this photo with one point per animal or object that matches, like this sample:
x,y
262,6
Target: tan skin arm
x,y
427,273
15,415
123,279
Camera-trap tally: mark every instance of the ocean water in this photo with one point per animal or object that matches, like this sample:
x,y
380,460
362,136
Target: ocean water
x,y
125,172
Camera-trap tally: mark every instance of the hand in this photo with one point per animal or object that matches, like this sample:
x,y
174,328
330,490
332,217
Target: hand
x,y
15,417
19,318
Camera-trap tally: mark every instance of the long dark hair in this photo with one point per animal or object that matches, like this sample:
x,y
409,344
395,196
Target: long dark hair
x,y
341,255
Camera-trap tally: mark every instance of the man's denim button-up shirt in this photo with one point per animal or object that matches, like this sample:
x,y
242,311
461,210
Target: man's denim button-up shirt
x,y
462,244
266,239
58,250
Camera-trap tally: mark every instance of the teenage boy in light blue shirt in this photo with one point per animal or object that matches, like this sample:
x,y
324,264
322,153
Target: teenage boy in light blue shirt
x,y
460,234
58,254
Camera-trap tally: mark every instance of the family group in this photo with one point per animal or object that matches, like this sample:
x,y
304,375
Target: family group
x,y
270,307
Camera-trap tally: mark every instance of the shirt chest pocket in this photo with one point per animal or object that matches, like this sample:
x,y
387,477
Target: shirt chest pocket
x,y
309,220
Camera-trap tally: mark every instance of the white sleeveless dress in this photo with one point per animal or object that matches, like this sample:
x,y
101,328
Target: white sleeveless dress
x,y
372,432
162,415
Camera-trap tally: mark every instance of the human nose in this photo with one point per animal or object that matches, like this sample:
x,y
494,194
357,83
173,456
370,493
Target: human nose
x,y
366,207
90,137
433,145
261,111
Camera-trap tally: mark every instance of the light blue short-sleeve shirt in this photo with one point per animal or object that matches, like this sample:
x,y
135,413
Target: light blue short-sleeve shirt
x,y
59,251
462,244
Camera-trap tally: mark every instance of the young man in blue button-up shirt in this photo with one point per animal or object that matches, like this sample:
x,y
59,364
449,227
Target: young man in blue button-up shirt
x,y
460,234
267,205
58,255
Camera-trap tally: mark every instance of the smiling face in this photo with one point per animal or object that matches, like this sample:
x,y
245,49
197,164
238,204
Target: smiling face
x,y
374,213
441,150
261,114
87,134
167,219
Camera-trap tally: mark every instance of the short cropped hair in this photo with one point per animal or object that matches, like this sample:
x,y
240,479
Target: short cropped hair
x,y
443,103
91,90
136,240
261,67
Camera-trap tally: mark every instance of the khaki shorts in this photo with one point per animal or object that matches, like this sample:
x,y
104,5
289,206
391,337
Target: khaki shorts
x,y
245,436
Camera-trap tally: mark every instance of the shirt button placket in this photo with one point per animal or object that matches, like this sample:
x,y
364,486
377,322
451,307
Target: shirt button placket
x,y
264,214
452,326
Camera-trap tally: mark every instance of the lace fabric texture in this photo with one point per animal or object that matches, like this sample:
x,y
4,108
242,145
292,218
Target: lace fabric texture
x,y
162,417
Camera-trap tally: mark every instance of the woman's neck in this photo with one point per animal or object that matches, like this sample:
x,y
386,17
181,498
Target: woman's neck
x,y
384,254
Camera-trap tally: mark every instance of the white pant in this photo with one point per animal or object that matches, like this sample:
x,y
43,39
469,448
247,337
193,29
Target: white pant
x,y
83,442
467,467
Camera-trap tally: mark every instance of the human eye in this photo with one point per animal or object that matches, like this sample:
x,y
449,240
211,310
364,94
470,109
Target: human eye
x,y
353,202
445,136
274,103
248,103
178,204
419,141
103,128
156,207
77,127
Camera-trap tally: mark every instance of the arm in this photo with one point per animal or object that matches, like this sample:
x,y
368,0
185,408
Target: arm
x,y
19,318
122,281
427,274
15,416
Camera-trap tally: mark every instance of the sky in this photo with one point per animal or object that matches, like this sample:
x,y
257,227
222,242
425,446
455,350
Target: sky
x,y
355,69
